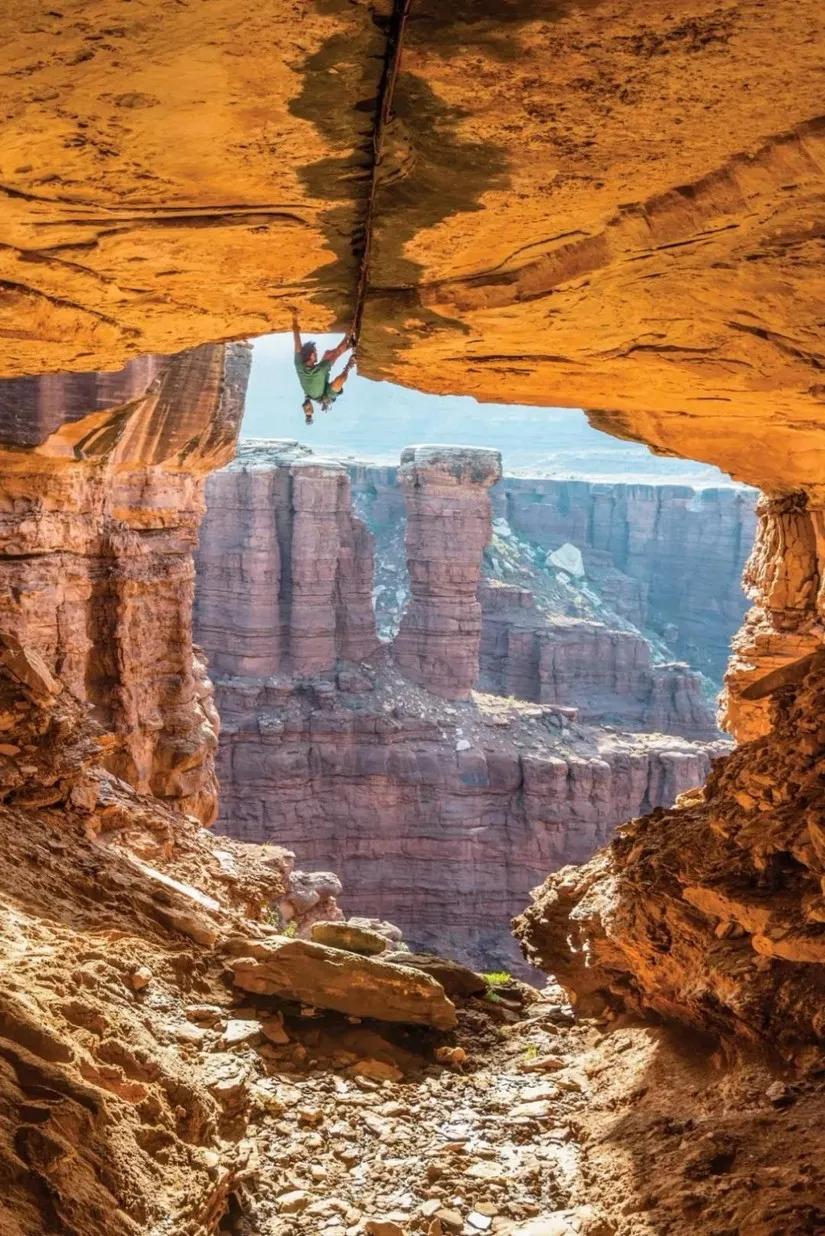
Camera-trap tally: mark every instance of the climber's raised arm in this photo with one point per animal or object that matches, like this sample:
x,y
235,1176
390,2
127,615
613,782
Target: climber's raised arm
x,y
296,330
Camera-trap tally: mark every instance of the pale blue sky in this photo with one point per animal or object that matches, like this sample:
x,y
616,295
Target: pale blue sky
x,y
375,420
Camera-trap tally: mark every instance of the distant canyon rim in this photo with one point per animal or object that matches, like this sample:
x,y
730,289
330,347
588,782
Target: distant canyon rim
x,y
613,206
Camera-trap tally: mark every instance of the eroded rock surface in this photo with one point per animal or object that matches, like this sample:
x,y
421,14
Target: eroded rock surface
x,y
98,520
335,978
606,676
616,208
448,526
710,913
439,815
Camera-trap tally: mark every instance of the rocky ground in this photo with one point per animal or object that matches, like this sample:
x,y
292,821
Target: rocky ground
x,y
161,1076
539,1125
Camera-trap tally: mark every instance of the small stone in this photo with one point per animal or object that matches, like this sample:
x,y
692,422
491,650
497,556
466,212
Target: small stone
x,y
539,1109
481,1223
450,1220
545,1091
273,1029
293,1203
204,1014
376,1070
544,1064
485,1171
140,977
238,1032
779,1094
349,937
383,1227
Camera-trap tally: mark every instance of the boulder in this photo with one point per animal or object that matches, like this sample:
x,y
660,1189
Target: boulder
x,y
330,978
350,937
458,981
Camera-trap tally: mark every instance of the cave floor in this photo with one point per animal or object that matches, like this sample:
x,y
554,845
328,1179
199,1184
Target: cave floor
x,y
550,1126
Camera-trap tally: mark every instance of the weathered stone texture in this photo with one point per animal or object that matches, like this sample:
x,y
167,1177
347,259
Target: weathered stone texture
x,y
97,528
786,624
618,208
606,675
666,556
354,768
448,527
285,569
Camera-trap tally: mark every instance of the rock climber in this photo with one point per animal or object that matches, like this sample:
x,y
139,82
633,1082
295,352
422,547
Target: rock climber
x,y
314,374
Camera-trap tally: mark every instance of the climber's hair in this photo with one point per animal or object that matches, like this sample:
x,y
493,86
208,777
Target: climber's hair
x,y
307,349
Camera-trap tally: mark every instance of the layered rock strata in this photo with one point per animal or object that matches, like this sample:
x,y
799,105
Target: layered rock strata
x,y
437,815
285,571
667,557
98,521
448,527
606,675
786,625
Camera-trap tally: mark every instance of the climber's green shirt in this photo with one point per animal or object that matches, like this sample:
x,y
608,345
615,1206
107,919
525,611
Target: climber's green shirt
x,y
313,378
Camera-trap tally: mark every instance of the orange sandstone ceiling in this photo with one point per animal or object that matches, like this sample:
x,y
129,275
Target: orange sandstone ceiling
x,y
615,204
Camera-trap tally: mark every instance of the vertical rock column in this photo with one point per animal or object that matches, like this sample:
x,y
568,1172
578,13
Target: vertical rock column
x,y
284,567
448,527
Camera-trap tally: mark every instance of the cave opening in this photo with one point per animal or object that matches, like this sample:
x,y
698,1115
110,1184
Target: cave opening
x,y
441,673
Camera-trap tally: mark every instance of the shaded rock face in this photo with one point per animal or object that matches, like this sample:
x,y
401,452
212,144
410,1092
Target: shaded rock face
x,y
110,904
669,557
711,913
448,527
783,578
439,816
606,675
97,528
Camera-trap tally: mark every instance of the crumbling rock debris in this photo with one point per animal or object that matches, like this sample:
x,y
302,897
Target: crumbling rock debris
x,y
710,913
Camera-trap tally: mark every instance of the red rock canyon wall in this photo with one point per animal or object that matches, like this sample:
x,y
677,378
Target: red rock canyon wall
x,y
98,521
438,815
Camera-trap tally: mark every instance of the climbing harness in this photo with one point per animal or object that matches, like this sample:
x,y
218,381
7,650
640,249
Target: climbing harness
x,y
389,77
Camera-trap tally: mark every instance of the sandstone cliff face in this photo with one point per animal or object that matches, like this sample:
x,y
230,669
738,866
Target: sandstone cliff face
x,y
606,675
98,520
285,572
615,209
711,913
438,815
668,556
448,526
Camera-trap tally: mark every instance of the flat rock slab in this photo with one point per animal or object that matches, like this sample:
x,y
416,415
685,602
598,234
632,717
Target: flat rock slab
x,y
351,937
331,978
457,980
